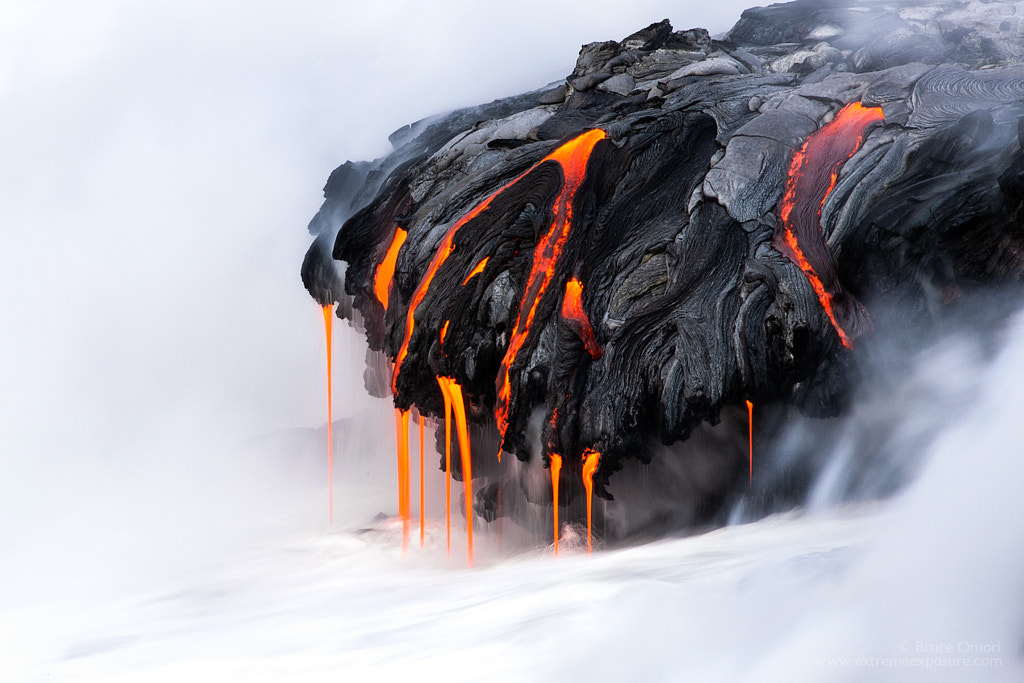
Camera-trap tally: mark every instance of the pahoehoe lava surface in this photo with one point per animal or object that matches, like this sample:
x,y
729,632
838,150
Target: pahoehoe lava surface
x,y
685,224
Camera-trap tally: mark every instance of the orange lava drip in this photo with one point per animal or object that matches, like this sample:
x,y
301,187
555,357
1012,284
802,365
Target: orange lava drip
x,y
479,268
591,458
454,391
821,157
573,157
386,269
444,331
328,319
402,434
447,460
556,468
572,311
750,436
419,420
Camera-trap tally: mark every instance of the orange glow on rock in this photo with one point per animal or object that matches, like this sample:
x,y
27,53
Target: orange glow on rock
x,y
576,317
454,392
328,319
750,436
479,268
402,436
591,459
813,173
556,468
572,157
386,270
447,460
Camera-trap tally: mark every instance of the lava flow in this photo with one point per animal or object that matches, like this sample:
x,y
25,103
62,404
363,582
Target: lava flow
x,y
419,422
386,270
402,434
556,468
447,460
750,436
591,459
813,173
328,319
576,317
479,268
573,157
453,394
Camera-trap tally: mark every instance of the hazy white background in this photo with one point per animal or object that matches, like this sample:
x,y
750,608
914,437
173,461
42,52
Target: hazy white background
x,y
158,164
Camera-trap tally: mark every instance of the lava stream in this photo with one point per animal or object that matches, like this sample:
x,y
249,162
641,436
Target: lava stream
x,y
328,320
479,268
572,157
386,270
813,173
402,434
591,459
750,436
556,468
419,422
447,461
453,392
576,317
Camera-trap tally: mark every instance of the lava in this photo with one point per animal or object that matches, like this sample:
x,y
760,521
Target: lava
x,y
453,393
386,270
419,422
402,434
813,173
556,468
447,460
750,436
576,317
479,268
573,157
328,320
591,459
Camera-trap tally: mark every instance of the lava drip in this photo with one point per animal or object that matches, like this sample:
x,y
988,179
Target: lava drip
x,y
479,268
556,468
813,172
402,435
447,461
419,422
453,394
576,317
572,157
328,320
386,270
750,436
591,459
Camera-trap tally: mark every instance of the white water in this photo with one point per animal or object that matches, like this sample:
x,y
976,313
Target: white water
x,y
159,162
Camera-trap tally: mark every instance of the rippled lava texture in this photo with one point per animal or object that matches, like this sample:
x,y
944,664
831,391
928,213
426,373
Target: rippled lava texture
x,y
685,224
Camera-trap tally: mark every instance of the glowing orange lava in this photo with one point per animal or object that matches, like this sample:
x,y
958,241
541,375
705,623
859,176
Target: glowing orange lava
x,y
419,421
750,436
447,461
479,268
386,270
454,393
573,157
813,173
328,319
556,468
591,458
572,311
402,434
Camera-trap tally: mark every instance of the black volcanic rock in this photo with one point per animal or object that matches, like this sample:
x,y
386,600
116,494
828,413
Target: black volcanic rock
x,y
755,198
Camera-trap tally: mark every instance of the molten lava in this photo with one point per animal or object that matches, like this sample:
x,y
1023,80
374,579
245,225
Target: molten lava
x,y
556,468
591,459
328,319
419,421
576,317
447,460
572,157
386,270
750,436
479,268
813,173
402,434
453,393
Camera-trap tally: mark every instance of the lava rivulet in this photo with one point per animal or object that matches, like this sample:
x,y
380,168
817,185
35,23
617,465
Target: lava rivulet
x,y
572,157
750,436
813,172
591,459
556,468
479,268
386,270
576,317
328,319
453,393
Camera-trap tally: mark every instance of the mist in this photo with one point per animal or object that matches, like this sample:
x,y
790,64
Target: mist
x,y
160,163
